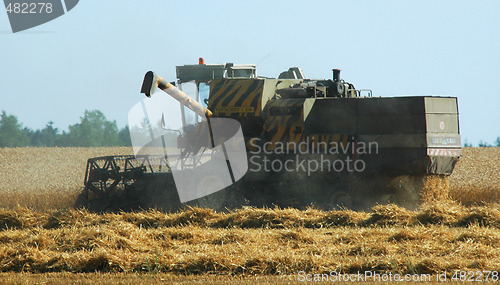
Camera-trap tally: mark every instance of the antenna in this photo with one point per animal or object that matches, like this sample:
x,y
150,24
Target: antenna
x,y
264,58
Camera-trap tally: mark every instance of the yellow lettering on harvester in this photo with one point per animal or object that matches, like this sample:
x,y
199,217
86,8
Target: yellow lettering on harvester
x,y
244,109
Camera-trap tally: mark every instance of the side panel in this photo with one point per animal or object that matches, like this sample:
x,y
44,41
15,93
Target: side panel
x,y
330,116
284,121
413,134
236,97
270,87
393,122
443,134
442,123
391,116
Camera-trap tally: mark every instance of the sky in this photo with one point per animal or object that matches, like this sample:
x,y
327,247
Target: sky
x,y
96,55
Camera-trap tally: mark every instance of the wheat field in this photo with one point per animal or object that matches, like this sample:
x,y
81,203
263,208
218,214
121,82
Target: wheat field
x,y
476,178
42,238
51,178
46,178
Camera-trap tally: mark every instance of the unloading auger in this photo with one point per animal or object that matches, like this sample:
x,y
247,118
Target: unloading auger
x,y
152,81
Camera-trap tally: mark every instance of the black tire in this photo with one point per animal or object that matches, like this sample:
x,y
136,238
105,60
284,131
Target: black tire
x,y
222,200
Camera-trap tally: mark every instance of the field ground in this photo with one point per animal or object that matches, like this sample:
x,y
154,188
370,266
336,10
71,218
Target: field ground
x,y
160,278
43,240
157,278
476,178
439,237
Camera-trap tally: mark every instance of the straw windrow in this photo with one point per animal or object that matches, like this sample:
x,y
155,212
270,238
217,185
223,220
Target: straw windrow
x,y
452,230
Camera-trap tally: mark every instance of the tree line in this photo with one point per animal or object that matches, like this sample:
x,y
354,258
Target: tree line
x,y
93,130
483,143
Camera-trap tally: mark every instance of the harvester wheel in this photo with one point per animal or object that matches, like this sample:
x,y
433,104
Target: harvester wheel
x,y
222,200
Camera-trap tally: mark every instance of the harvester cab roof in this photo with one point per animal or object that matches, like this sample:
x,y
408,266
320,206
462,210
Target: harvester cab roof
x,y
205,72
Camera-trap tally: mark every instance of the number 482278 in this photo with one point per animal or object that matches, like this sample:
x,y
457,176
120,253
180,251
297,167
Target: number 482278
x,y
29,8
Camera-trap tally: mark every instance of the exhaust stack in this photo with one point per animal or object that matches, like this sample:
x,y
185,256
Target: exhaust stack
x,y
336,74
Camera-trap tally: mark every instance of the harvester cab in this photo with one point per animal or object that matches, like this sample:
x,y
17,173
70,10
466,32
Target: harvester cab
x,y
195,80
192,92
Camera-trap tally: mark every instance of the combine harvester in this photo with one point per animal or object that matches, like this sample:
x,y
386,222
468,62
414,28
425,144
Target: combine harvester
x,y
319,142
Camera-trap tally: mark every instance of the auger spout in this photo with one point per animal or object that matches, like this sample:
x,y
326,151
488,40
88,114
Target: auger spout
x,y
153,81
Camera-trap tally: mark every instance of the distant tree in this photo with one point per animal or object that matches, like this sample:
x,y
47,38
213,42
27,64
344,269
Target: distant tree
x,y
483,144
92,131
498,141
12,133
124,136
467,143
63,139
48,136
